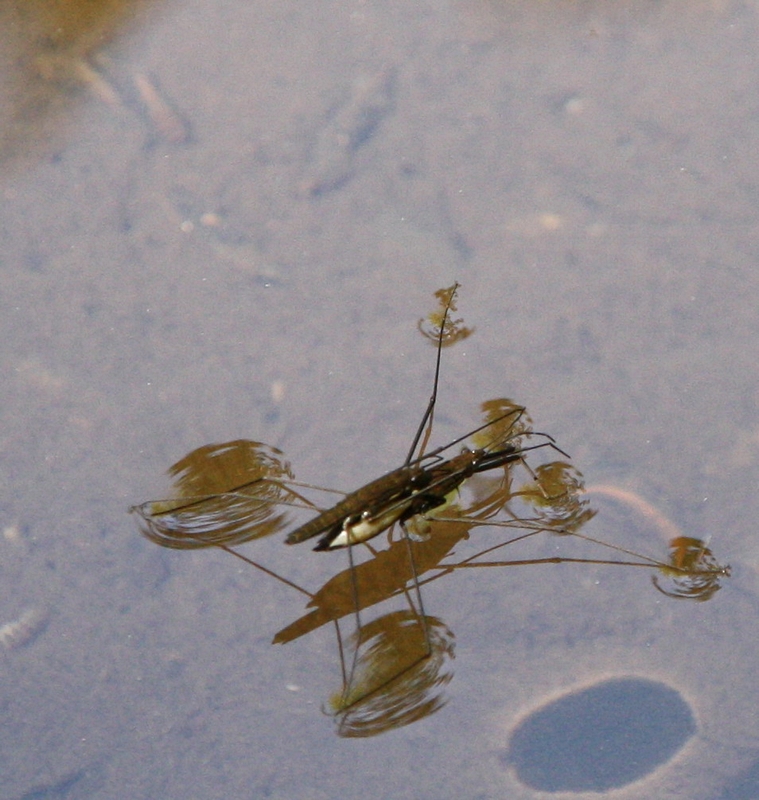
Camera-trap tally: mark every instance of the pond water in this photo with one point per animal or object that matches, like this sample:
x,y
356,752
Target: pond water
x,y
222,221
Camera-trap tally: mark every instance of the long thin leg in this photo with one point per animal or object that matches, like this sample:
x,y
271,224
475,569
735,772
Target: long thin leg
x,y
418,591
357,612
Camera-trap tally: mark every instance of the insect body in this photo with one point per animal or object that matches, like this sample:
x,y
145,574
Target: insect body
x,y
397,496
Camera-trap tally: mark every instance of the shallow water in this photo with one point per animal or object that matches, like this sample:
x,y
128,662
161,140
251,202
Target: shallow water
x,y
247,257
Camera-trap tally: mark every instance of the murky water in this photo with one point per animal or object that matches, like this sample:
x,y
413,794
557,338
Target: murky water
x,y
222,221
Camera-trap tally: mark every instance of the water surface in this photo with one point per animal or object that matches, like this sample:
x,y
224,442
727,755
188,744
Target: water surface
x,y
247,256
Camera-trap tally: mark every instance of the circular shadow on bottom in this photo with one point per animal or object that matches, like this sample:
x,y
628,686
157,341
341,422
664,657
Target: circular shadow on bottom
x,y
602,737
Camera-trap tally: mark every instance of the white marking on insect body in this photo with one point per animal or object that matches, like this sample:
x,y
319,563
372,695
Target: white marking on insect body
x,y
368,526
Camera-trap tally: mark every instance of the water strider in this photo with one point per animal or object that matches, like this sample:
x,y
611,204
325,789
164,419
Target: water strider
x,y
239,491
417,487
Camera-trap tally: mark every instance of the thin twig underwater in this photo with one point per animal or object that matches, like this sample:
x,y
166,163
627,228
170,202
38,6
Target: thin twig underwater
x,y
226,495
